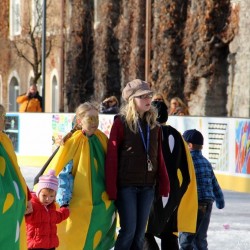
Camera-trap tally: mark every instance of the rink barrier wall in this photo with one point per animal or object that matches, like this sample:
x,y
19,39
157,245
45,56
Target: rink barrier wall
x,y
226,141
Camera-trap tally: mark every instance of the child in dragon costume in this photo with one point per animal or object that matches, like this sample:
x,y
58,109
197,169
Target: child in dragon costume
x,y
79,165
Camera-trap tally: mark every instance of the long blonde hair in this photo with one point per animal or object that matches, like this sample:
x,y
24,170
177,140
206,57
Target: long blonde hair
x,y
131,116
182,107
81,110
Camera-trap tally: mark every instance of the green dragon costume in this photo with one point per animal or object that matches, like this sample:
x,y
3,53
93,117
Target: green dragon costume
x,y
92,220
13,193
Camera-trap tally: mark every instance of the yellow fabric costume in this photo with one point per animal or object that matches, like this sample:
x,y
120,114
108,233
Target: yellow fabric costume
x,y
180,212
92,220
187,211
13,198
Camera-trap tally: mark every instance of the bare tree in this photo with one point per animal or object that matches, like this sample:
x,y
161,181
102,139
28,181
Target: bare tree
x,y
106,61
169,18
130,31
79,55
206,42
28,45
189,50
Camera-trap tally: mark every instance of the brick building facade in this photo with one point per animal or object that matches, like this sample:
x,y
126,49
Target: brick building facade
x,y
18,17
16,74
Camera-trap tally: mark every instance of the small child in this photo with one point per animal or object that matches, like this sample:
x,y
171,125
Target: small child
x,y
41,223
79,164
208,192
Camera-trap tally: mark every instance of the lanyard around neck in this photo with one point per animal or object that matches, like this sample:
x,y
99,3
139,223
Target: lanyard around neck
x,y
146,145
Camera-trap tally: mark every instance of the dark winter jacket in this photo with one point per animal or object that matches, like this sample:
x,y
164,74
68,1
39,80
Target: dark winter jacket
x,y
128,170
133,169
41,224
109,110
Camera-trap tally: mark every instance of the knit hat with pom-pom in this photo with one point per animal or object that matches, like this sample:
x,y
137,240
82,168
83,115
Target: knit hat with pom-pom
x,y
48,180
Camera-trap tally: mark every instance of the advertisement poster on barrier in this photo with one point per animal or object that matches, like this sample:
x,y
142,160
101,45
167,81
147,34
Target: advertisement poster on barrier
x,y
242,147
61,125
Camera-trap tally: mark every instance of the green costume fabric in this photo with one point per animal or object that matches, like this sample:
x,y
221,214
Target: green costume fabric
x,y
92,220
12,199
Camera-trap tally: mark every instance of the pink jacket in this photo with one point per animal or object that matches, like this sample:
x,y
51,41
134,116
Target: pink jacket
x,y
41,224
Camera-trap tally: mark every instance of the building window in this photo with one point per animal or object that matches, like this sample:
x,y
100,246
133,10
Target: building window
x,y
39,85
13,94
55,95
15,19
37,15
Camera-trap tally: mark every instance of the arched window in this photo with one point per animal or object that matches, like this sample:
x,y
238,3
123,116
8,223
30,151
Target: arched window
x,y
40,86
55,95
31,81
13,94
15,19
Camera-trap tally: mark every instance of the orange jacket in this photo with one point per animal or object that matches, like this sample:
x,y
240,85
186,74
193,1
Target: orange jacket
x,y
29,104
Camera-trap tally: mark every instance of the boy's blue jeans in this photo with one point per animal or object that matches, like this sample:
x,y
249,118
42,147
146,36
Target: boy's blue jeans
x,y
198,241
133,204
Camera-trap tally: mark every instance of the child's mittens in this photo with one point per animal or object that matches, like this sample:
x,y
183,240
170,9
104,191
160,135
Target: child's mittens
x,y
65,185
220,204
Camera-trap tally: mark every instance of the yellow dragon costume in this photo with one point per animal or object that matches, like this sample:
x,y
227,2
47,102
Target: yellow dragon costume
x,y
92,220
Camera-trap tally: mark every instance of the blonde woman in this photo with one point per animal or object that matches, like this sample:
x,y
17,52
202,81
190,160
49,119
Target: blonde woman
x,y
134,164
178,107
79,164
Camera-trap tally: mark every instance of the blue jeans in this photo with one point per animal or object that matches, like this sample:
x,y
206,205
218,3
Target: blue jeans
x,y
133,204
198,241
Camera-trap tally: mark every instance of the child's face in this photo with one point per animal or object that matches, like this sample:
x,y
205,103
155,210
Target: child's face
x,y
90,122
47,196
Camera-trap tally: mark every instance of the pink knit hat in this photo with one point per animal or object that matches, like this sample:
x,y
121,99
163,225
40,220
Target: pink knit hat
x,y
48,180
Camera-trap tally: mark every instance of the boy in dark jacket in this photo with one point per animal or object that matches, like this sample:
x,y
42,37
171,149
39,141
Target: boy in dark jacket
x,y
208,192
41,223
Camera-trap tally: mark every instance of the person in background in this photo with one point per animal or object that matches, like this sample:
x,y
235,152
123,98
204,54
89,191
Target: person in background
x,y
79,165
109,106
178,107
14,194
168,217
42,222
208,191
134,164
159,97
30,101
